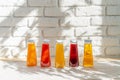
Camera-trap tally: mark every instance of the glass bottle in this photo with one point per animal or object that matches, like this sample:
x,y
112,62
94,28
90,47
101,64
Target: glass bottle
x,y
31,54
88,56
74,59
45,55
59,57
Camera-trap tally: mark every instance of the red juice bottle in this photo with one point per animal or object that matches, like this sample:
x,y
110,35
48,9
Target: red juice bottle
x,y
73,60
45,55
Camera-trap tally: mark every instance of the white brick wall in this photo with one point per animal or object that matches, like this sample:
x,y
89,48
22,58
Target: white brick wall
x,y
43,22
42,2
13,2
59,19
114,31
91,31
58,32
106,20
75,21
112,51
28,11
90,11
113,10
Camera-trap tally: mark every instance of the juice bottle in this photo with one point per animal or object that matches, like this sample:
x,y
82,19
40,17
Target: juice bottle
x,y
74,59
31,55
45,55
88,56
59,57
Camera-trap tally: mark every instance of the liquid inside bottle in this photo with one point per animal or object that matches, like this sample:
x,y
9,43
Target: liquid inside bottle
x,y
45,55
59,57
74,59
88,56
31,55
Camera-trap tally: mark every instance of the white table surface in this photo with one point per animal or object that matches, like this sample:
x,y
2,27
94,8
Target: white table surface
x,y
104,69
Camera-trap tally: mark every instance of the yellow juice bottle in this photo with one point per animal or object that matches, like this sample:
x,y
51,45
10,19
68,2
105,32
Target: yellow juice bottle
x,y
31,55
59,57
88,56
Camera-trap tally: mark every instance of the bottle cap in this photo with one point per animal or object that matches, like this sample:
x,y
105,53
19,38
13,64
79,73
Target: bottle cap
x,y
46,40
30,40
59,41
73,40
87,41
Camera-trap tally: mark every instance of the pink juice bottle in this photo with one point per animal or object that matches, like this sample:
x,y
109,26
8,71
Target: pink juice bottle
x,y
74,59
45,55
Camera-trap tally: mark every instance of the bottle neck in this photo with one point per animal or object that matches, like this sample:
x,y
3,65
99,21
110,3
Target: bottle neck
x,y
88,41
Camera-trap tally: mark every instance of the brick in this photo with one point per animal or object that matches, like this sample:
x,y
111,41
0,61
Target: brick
x,y
98,51
12,41
108,20
26,32
5,32
63,11
110,41
113,10
19,21
90,11
20,31
43,22
113,51
98,2
13,2
73,2
97,41
90,31
28,11
42,2
114,31
5,21
57,32
36,32
75,21
113,2
6,11
9,21
53,12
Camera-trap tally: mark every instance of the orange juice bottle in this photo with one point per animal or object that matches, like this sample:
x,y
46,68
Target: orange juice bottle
x,y
59,57
31,55
88,56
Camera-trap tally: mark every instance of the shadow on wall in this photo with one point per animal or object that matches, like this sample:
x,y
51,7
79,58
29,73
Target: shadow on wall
x,y
20,20
79,19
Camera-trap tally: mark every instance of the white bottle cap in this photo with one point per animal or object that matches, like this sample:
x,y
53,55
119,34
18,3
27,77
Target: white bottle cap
x,y
59,41
46,40
87,41
73,40
30,40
